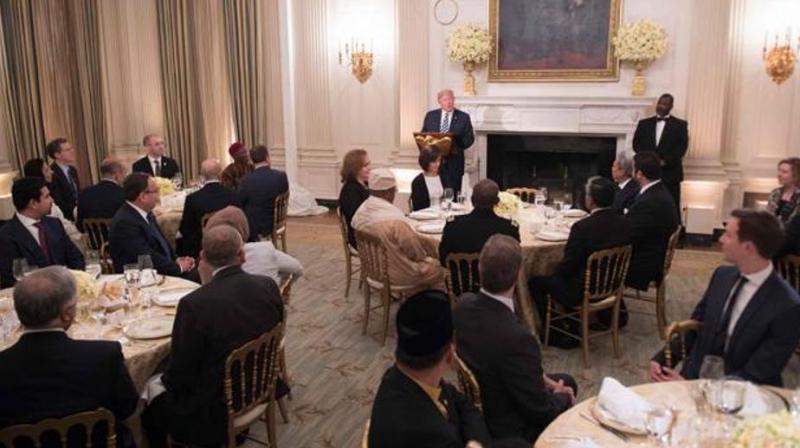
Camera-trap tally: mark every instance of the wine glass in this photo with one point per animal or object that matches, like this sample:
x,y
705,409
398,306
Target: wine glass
x,y
177,180
543,190
93,267
146,273
729,398
448,198
132,276
658,422
20,268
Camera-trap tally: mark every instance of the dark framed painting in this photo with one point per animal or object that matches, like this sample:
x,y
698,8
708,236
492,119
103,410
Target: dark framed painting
x,y
553,40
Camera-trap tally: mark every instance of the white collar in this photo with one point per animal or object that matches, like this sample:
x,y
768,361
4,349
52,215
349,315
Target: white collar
x,y
26,221
504,300
664,117
450,112
759,277
210,181
624,182
215,271
64,168
43,330
647,187
141,212
597,210
153,159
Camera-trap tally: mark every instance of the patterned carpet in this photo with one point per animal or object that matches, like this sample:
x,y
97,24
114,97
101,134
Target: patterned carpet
x,y
336,370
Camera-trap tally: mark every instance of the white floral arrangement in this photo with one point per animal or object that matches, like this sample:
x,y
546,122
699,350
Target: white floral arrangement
x,y
640,41
469,43
87,288
508,205
777,430
165,186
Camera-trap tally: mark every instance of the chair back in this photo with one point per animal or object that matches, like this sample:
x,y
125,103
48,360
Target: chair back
x,y
461,275
96,231
250,375
605,273
286,289
789,268
343,228
672,246
51,431
469,384
374,258
679,329
525,194
281,211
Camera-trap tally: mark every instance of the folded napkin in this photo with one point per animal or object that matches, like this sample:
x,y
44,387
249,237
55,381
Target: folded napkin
x,y
754,404
622,404
552,235
425,214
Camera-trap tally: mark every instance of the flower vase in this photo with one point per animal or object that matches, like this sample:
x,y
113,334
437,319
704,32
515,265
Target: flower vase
x,y
639,82
469,78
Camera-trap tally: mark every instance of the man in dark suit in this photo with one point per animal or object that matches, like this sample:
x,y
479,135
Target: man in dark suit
x,y
46,373
32,235
668,137
134,231
258,191
468,233
155,163
103,199
749,313
653,219
212,197
457,122
65,177
627,187
230,309
602,229
519,399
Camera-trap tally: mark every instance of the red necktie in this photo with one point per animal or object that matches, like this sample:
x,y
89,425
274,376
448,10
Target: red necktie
x,y
43,241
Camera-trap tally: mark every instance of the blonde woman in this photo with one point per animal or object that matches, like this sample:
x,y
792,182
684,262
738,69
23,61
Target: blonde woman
x,y
784,201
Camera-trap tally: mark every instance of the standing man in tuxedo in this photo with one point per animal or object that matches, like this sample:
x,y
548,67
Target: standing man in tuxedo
x,y
627,187
65,177
155,163
668,137
103,199
456,122
749,313
258,191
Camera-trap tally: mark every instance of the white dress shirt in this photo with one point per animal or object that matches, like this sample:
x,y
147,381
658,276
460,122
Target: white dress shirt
x,y
504,300
754,281
660,129
154,162
261,258
623,183
435,189
29,224
449,116
648,186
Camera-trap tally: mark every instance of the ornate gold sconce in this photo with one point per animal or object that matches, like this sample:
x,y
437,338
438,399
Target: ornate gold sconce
x,y
355,55
779,61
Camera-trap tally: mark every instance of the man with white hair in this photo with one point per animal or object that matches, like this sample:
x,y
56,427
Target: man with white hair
x,y
456,122
412,258
627,187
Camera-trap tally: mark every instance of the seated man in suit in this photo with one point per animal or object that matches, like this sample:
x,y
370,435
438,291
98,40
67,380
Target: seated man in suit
x,y
212,197
103,199
602,229
32,235
749,313
241,166
627,187
468,233
653,219
134,231
65,185
230,309
47,373
258,191
155,163
519,399
412,257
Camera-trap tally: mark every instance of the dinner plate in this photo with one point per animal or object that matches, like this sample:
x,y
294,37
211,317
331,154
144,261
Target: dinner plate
x,y
425,215
150,327
574,213
549,235
605,417
171,298
432,228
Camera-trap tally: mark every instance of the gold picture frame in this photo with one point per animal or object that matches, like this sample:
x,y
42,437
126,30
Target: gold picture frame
x,y
503,67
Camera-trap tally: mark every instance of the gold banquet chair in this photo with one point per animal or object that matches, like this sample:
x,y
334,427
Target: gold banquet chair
x,y
95,231
40,433
286,292
375,266
525,194
468,383
280,212
680,330
461,275
603,285
660,298
365,436
349,254
255,366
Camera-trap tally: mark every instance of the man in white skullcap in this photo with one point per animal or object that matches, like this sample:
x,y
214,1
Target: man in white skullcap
x,y
412,257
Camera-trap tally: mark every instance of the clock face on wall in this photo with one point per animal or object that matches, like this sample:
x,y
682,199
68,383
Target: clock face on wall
x,y
445,11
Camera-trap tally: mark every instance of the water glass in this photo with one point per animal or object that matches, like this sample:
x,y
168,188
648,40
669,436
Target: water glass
x,y
712,369
147,275
543,190
728,395
539,200
93,267
558,206
131,275
177,180
21,268
658,422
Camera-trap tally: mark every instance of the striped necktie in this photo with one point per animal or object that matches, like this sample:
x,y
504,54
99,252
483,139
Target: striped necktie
x,y
445,123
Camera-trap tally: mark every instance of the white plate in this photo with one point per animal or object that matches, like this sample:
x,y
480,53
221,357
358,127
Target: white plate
x,y
150,327
549,235
432,228
604,416
171,298
425,215
574,213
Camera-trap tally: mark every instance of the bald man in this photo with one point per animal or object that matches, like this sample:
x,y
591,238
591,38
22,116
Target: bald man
x,y
212,197
449,119
103,199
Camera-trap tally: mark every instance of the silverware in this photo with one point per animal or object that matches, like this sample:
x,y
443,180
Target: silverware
x,y
621,435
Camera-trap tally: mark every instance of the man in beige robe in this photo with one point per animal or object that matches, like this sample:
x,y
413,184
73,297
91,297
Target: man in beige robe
x,y
412,257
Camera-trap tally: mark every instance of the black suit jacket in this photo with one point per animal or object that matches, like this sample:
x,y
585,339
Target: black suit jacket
x,y
791,243
257,194
17,242
653,218
101,200
468,233
212,321
168,167
130,236
764,338
210,198
624,197
403,415
50,375
351,196
463,138
420,197
671,148
507,362
61,190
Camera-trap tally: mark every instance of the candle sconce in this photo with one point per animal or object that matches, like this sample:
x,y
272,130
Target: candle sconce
x,y
779,61
354,54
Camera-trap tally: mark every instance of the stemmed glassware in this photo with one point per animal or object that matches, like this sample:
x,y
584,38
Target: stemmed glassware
x,y
93,267
448,199
21,268
177,180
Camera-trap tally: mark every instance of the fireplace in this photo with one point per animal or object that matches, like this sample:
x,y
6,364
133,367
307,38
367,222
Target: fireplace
x,y
560,163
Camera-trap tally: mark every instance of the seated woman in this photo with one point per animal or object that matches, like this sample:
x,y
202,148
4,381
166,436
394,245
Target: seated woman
x,y
355,174
261,257
38,168
426,188
784,201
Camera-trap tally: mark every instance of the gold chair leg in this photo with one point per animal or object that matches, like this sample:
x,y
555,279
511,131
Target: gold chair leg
x,y
548,316
366,308
349,267
282,409
661,308
615,326
387,304
272,437
585,336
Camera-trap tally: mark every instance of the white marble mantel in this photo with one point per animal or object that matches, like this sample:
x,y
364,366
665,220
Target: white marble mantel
x,y
568,115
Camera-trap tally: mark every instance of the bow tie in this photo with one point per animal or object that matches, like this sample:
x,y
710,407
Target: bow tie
x,y
661,119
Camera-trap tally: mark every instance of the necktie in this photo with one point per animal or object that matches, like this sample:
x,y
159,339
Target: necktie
x,y
659,119
445,123
157,167
43,242
159,237
721,335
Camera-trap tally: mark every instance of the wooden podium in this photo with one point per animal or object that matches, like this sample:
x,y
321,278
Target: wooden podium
x,y
443,141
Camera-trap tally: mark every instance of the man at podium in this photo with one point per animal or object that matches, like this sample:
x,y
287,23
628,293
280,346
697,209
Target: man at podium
x,y
450,120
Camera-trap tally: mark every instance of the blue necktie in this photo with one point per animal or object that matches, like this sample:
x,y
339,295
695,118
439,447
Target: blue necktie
x,y
445,123
159,237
